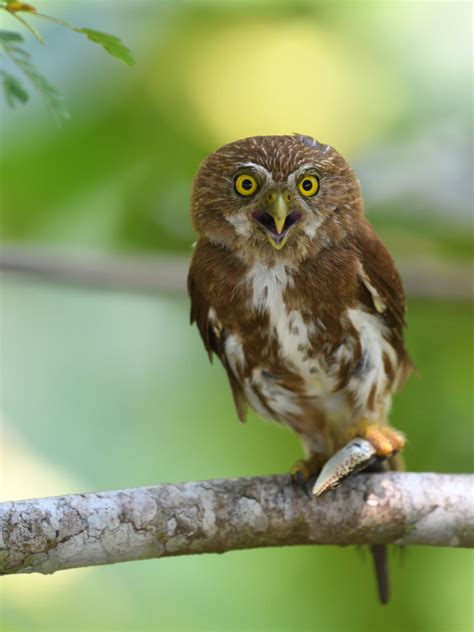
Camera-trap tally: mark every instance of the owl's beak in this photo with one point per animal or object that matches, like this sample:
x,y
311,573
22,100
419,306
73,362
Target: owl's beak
x,y
278,209
277,219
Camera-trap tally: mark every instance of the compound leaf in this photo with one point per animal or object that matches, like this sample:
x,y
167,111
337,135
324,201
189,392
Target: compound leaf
x,y
22,59
12,89
7,37
110,43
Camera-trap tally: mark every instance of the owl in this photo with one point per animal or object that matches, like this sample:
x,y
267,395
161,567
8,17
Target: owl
x,y
294,292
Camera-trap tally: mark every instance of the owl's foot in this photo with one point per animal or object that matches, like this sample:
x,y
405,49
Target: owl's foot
x,y
396,463
304,469
386,440
366,443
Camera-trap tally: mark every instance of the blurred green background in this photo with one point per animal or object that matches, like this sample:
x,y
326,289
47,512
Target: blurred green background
x,y
103,390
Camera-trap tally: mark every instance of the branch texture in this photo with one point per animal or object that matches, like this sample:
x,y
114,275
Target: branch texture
x,y
50,534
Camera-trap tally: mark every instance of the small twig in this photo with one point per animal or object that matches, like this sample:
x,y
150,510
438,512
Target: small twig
x,y
34,31
50,534
153,273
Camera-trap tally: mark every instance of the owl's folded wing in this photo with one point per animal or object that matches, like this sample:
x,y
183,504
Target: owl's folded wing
x,y
213,337
380,276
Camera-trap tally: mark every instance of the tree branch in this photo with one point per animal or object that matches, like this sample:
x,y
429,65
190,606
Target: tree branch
x,y
50,534
92,269
432,279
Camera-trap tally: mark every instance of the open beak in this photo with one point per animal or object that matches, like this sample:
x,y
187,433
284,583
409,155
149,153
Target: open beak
x,y
277,219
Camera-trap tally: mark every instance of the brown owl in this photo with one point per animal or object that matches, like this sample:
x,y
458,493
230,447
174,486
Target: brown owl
x,y
292,289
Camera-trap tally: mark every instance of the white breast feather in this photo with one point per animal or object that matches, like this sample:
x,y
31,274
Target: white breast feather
x,y
293,334
268,286
373,339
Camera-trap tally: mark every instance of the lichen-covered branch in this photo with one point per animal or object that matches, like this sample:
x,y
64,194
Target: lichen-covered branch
x,y
49,534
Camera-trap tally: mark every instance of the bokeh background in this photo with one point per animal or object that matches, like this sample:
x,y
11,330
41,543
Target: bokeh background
x,y
103,390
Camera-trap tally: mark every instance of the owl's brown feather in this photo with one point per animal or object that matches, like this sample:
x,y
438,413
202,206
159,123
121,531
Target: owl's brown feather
x,y
380,268
297,296
310,334
213,340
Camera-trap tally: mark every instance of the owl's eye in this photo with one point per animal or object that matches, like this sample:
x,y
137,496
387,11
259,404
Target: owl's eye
x,y
245,184
308,186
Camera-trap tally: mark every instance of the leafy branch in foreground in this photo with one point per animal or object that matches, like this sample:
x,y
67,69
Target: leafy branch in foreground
x,y
13,88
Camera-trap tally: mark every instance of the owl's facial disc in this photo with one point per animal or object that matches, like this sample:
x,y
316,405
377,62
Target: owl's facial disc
x,y
277,218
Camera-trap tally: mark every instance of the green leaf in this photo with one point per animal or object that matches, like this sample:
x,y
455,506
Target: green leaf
x,y
10,36
12,89
52,97
111,43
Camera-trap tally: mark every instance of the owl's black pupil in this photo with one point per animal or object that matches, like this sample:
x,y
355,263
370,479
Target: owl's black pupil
x,y
307,185
247,184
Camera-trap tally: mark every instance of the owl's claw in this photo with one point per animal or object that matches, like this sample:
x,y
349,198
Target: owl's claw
x,y
301,482
386,440
305,469
370,441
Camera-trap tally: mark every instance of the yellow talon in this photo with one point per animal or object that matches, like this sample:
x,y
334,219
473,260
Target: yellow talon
x,y
304,469
386,440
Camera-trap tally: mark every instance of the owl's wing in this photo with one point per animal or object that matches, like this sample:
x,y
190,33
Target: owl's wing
x,y
380,276
213,337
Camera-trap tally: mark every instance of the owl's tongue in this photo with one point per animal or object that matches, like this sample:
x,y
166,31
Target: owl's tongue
x,y
267,221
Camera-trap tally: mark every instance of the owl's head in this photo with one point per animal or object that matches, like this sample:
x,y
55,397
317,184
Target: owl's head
x,y
275,196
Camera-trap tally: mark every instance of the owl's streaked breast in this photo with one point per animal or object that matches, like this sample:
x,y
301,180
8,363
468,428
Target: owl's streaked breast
x,y
295,334
304,373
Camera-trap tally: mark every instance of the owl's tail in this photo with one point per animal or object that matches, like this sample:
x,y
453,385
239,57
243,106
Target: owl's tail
x,y
379,551
380,558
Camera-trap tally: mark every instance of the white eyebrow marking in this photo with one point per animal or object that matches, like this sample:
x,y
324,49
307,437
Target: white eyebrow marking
x,y
258,168
303,168
294,175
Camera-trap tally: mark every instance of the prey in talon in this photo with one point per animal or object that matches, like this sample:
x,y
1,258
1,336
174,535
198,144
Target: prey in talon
x,y
357,455
297,296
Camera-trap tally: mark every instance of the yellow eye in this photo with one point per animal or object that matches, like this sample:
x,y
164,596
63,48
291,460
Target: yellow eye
x,y
308,186
245,184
